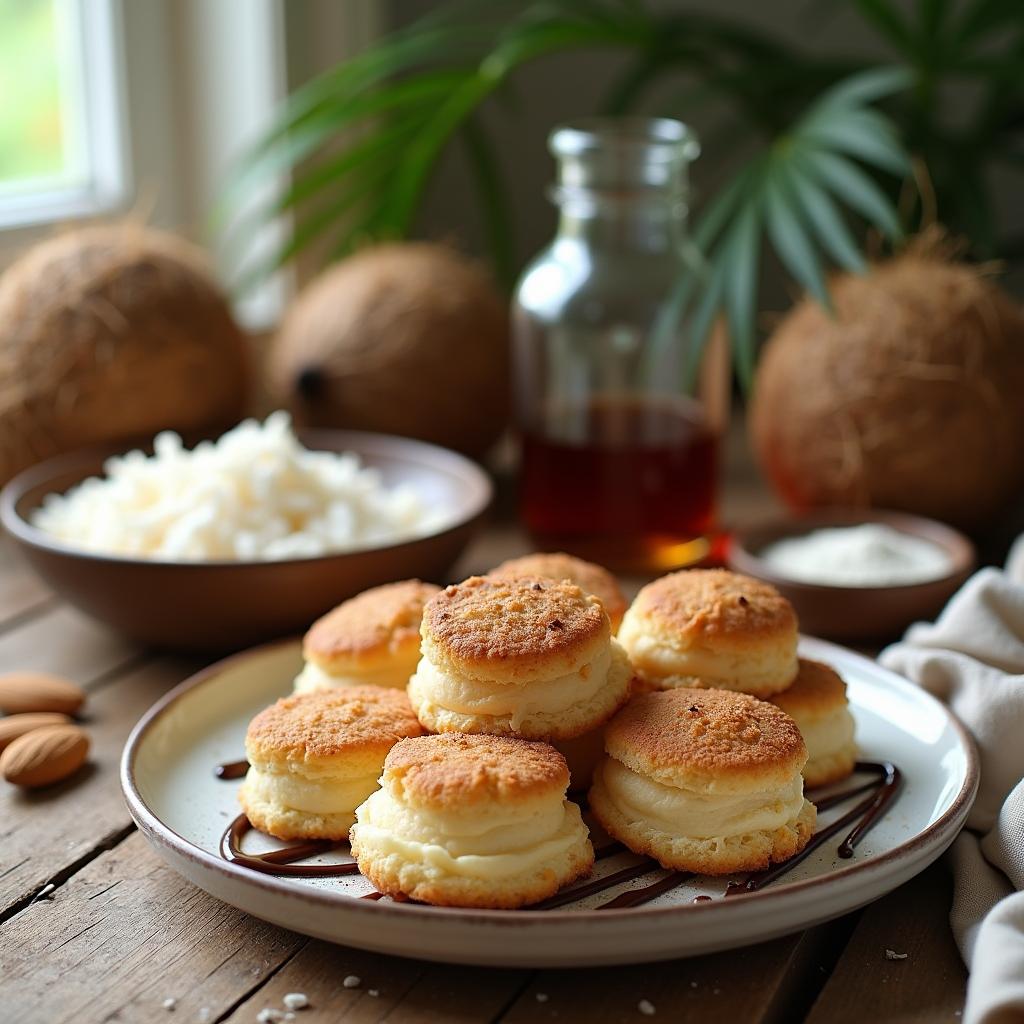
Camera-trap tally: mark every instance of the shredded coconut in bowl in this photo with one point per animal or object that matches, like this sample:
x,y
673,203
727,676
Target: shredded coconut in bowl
x,y
256,494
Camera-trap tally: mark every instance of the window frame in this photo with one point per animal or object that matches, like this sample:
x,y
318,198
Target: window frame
x,y
97,96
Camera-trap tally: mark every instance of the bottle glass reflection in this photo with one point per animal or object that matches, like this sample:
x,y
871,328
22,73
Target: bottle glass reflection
x,y
620,416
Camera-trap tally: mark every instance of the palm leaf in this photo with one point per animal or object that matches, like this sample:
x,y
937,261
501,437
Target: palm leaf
x,y
404,102
864,134
889,22
862,88
822,214
491,194
846,179
742,256
789,236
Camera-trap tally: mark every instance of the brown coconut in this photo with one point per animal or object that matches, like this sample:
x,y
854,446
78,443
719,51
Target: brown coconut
x,y
402,338
911,398
110,333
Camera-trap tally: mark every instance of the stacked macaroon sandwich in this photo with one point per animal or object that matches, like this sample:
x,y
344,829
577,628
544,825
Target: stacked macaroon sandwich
x,y
455,791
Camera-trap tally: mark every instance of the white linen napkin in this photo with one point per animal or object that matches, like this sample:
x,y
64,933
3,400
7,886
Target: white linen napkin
x,y
972,658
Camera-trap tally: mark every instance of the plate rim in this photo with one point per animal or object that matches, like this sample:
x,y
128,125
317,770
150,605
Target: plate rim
x,y
157,831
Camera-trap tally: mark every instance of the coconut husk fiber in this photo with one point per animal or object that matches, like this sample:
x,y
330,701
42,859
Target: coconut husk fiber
x,y
402,338
109,333
911,397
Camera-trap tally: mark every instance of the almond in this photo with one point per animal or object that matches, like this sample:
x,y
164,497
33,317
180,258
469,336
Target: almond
x,y
44,756
17,725
39,691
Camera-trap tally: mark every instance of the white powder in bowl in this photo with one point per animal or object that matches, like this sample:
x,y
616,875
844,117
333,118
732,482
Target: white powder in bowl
x,y
869,555
256,494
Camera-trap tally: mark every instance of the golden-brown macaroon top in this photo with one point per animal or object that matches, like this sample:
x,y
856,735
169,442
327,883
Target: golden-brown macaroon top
x,y
706,737
374,622
325,724
456,769
557,565
522,624
717,604
817,690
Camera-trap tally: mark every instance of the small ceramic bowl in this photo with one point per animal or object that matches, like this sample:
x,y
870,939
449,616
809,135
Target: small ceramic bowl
x,y
856,613
223,606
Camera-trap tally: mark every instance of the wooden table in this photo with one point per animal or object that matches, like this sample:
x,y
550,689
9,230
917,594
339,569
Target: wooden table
x,y
95,927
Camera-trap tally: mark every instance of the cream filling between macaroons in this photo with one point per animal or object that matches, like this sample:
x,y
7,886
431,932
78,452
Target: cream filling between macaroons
x,y
489,844
519,701
775,667
313,677
682,812
324,795
827,735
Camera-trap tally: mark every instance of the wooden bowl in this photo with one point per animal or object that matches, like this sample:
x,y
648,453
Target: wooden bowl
x,y
223,606
856,613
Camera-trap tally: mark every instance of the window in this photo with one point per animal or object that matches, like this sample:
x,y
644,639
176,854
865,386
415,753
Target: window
x,y
62,147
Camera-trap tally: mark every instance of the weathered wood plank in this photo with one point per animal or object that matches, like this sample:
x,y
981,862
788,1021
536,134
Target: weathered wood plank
x,y
21,591
45,833
765,984
126,933
927,986
62,640
399,990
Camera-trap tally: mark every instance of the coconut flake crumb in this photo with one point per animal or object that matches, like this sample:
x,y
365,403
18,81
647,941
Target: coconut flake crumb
x,y
270,1015
646,1007
693,984
541,997
891,954
169,1003
46,893
352,981
295,1001
254,495
373,992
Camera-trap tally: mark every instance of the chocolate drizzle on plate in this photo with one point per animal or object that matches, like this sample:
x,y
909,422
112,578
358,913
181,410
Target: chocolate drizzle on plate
x,y
231,770
280,862
634,897
579,892
883,790
878,794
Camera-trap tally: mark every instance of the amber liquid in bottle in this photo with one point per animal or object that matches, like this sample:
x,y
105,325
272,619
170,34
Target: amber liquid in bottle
x,y
628,483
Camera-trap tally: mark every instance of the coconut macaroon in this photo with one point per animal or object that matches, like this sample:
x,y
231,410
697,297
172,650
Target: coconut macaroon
x,y
705,781
315,757
371,638
591,578
472,821
711,628
817,703
523,657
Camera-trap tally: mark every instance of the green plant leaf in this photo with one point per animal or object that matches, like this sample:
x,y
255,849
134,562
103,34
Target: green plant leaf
x,y
314,132
491,193
884,16
864,87
855,188
821,213
703,319
742,254
725,204
789,237
865,134
984,17
933,16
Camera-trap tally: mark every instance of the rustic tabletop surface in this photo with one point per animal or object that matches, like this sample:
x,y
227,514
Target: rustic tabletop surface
x,y
95,927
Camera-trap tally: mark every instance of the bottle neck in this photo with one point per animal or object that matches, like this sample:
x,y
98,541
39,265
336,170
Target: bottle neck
x,y
650,226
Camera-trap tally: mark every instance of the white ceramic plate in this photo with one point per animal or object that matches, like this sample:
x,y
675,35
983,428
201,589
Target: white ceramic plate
x,y
168,780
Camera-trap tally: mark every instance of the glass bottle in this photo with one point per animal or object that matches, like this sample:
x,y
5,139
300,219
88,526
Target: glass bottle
x,y
620,417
